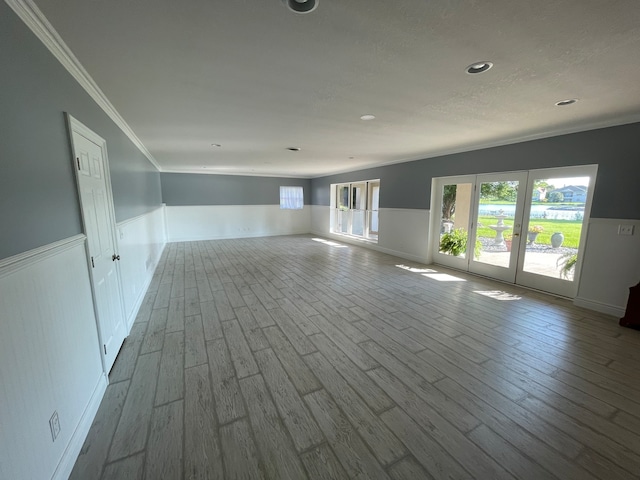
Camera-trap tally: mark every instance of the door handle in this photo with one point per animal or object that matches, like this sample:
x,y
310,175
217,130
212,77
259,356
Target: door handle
x,y
115,257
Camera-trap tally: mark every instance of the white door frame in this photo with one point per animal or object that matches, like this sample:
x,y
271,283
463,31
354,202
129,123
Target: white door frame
x,y
76,126
555,286
461,262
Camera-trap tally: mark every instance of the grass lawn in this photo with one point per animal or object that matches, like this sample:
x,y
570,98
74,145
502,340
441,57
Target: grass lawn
x,y
548,204
570,228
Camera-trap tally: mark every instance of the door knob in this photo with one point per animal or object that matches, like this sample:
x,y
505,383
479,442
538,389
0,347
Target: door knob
x,y
115,257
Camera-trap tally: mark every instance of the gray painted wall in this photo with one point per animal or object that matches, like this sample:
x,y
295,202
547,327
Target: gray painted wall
x,y
38,199
179,189
616,150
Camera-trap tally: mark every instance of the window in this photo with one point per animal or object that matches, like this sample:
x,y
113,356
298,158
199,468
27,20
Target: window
x,y
291,198
356,209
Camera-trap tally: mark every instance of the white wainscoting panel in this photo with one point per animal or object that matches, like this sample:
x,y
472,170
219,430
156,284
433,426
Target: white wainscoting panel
x,y
140,243
402,232
49,360
405,232
210,222
611,265
320,220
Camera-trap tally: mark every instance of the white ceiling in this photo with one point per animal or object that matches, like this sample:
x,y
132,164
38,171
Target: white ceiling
x,y
257,78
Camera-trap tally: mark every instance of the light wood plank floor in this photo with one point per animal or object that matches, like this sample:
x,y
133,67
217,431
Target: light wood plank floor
x,y
291,358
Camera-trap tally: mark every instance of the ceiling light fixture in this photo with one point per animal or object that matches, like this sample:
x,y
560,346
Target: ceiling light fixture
x,y
478,67
367,117
301,6
216,145
564,103
294,149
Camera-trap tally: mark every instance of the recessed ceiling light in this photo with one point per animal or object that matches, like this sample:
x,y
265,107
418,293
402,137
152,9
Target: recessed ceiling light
x,y
367,117
294,149
216,145
563,103
479,67
301,6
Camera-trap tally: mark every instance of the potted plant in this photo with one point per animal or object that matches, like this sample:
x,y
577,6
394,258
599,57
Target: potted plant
x,y
508,239
533,232
455,243
567,264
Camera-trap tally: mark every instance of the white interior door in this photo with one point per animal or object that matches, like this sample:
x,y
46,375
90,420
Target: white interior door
x,y
99,224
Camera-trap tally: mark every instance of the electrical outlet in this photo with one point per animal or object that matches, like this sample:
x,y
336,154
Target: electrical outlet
x,y
54,424
625,229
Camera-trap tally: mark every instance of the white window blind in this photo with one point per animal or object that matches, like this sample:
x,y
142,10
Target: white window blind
x,y
291,198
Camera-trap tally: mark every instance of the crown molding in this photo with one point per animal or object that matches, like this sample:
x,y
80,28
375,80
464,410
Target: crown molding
x,y
33,18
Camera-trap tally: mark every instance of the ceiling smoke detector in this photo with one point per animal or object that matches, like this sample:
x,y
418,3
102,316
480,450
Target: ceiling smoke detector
x,y
301,6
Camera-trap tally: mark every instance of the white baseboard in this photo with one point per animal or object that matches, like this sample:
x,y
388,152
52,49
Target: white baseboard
x,y
599,307
70,455
143,291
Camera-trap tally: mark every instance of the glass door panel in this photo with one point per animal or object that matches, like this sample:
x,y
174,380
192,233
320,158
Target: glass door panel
x,y
342,208
499,203
453,206
555,226
359,207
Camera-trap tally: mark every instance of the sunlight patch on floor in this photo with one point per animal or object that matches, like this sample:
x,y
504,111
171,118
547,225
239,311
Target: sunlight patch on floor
x,y
443,277
498,295
416,270
329,242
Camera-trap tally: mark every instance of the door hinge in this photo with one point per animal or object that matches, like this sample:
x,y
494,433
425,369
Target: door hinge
x,y
93,264
105,349
78,160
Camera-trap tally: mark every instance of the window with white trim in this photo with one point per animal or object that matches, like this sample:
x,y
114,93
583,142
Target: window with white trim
x,y
291,198
355,207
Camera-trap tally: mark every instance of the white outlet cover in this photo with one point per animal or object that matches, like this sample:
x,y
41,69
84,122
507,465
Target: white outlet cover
x,y
625,229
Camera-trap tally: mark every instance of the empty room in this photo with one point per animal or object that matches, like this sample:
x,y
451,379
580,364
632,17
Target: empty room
x,y
314,239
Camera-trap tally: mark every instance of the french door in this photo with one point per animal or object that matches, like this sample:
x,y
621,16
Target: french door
x,y
525,227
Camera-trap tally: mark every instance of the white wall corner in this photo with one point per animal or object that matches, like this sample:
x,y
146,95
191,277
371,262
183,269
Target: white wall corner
x,y
613,310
